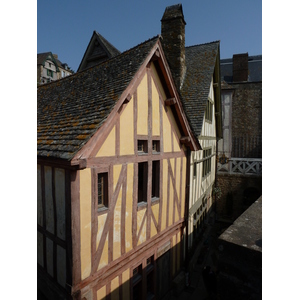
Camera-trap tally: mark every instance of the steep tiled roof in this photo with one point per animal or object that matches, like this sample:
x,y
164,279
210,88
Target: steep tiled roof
x,y
112,50
104,47
70,111
200,62
41,57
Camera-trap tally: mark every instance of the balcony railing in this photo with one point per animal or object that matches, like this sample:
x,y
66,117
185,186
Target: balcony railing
x,y
244,166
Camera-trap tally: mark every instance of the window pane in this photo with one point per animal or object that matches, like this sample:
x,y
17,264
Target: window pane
x,y
142,181
155,178
102,189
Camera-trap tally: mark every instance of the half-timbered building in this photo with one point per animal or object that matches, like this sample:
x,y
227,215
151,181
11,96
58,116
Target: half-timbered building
x,y
196,72
113,143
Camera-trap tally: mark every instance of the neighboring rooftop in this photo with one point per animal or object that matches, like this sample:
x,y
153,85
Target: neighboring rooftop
x,y
254,69
200,65
246,231
98,50
70,110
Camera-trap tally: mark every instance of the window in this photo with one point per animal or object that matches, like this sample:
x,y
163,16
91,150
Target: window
x,y
142,146
150,277
208,111
195,169
50,73
143,278
137,283
142,181
206,169
102,189
155,146
155,178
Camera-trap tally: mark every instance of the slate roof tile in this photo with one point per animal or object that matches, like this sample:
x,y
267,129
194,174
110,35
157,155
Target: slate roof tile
x,y
71,110
200,63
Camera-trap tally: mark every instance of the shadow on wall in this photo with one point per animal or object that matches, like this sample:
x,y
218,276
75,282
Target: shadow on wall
x,y
238,193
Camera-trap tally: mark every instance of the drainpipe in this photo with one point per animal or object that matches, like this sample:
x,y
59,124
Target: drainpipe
x,y
187,199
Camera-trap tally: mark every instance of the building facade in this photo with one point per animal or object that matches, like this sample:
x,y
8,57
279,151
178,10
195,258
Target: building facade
x,y
49,68
240,150
111,189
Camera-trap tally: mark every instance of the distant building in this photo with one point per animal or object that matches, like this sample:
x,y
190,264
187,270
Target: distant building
x,y
50,68
240,150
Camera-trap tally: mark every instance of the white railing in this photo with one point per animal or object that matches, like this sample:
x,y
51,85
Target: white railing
x,y
245,166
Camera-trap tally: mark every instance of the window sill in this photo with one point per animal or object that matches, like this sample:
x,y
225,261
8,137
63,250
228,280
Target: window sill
x,y
141,205
142,153
154,200
102,210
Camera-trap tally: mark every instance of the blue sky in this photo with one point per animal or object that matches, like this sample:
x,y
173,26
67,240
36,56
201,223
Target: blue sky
x,y
65,27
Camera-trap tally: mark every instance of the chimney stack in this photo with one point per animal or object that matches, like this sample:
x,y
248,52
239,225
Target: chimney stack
x,y
240,67
173,41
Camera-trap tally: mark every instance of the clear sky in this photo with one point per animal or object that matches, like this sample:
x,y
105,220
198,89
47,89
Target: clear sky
x,y
65,27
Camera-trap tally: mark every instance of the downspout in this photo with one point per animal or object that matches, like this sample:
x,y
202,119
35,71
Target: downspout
x,y
187,199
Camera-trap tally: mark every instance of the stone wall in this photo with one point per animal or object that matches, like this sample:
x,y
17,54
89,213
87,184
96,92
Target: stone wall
x,y
238,193
246,129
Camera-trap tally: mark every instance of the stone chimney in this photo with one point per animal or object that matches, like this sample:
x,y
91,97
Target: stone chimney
x,y
173,41
240,67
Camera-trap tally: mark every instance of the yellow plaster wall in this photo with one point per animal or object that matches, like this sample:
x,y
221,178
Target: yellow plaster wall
x,y
104,257
155,210
176,143
178,175
183,186
101,223
115,288
128,217
125,284
108,148
155,110
158,82
140,216
101,293
142,107
127,130
85,222
117,215
171,194
165,191
117,227
167,133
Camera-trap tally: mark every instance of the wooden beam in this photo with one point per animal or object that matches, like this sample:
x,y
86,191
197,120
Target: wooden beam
x,y
185,140
127,99
170,101
216,85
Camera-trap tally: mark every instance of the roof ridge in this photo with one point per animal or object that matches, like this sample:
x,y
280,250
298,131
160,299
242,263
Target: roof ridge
x,y
213,42
101,63
121,53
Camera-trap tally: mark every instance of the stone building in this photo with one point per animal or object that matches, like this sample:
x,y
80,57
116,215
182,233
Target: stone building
x,y
240,150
